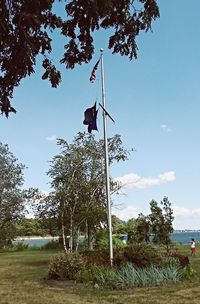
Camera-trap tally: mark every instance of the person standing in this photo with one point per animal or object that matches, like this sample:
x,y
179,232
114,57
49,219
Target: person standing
x,y
193,247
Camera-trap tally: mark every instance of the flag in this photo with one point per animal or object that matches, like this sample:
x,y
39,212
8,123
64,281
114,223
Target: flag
x,y
90,118
93,74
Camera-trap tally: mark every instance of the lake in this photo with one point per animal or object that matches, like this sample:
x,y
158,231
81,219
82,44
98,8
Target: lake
x,y
36,241
185,237
178,237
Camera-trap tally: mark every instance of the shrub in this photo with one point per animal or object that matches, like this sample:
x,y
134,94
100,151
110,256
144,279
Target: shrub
x,y
118,243
183,259
51,245
189,273
65,266
18,246
96,257
102,243
139,254
84,276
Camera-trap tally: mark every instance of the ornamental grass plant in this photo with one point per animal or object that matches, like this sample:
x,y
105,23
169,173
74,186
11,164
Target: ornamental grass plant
x,y
130,276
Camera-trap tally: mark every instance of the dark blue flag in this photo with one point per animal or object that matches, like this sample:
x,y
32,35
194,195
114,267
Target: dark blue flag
x,y
90,118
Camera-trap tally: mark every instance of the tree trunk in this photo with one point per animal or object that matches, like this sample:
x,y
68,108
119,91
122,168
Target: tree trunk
x,y
63,234
71,234
90,237
77,240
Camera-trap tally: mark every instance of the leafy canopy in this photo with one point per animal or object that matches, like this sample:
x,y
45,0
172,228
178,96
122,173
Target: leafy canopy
x,y
26,27
11,195
78,199
161,219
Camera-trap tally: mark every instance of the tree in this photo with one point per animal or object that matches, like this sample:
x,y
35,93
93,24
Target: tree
x,y
78,199
11,195
26,27
137,230
38,203
141,230
158,223
118,226
161,219
129,228
30,227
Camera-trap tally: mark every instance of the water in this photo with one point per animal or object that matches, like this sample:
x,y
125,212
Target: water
x,y
178,237
185,237
36,241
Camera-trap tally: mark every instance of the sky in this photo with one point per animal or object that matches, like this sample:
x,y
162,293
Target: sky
x,y
154,101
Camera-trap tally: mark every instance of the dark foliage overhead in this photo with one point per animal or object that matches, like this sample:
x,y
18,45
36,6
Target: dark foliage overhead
x,y
25,27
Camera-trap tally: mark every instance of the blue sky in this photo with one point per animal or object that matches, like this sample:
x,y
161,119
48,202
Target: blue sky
x,y
154,101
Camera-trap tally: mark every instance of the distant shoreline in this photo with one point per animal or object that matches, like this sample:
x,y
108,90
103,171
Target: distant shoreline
x,y
178,236
49,237
21,238
185,231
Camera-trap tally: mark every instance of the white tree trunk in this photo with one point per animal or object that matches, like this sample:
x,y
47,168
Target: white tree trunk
x,y
71,234
63,233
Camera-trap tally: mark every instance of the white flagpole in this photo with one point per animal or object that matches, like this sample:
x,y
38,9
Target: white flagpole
x,y
106,163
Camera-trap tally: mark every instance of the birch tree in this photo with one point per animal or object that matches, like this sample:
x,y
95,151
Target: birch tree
x,y
78,182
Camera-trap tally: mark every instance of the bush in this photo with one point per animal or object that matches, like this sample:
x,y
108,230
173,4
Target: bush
x,y
102,243
189,273
139,254
51,245
183,259
96,257
84,276
65,266
118,243
18,246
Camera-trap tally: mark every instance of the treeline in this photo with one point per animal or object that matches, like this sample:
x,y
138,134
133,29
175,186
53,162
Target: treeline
x,y
155,227
31,227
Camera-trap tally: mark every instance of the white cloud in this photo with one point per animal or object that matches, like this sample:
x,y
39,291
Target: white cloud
x,y
133,180
165,128
51,138
126,213
186,212
186,218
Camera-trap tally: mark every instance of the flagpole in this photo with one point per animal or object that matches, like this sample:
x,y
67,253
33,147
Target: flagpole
x,y
106,163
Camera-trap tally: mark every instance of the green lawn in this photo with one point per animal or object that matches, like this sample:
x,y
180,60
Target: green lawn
x,y
22,281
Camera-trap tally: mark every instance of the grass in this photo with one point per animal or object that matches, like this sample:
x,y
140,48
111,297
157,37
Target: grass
x,y
22,281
